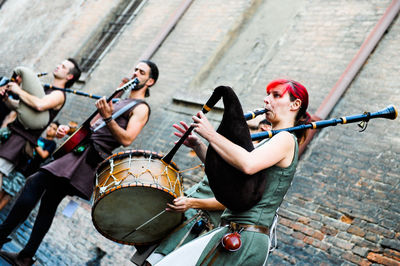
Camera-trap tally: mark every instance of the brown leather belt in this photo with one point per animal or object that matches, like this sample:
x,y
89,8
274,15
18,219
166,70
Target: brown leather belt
x,y
214,252
246,227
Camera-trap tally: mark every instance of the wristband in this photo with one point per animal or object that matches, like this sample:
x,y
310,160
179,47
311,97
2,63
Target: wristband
x,y
107,120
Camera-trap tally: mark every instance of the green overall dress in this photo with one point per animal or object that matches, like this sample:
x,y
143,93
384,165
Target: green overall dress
x,y
254,249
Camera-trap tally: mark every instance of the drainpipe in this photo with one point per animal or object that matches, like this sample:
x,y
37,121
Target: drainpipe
x,y
353,68
162,35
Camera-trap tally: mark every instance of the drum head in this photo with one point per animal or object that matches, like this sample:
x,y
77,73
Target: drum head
x,y
135,214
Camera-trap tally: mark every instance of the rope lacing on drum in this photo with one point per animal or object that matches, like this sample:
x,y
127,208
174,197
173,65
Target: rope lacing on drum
x,y
148,166
192,168
136,176
177,180
115,182
103,189
111,165
130,160
156,178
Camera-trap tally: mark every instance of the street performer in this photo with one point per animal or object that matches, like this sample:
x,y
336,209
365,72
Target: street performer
x,y
244,235
73,173
21,140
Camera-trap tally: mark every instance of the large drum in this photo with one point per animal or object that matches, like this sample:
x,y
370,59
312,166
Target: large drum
x,y
130,197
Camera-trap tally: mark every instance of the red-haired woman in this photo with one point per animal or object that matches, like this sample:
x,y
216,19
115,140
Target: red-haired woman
x,y
286,103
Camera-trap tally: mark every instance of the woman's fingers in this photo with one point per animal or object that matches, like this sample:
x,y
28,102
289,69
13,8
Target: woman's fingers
x,y
172,207
196,119
200,114
179,135
185,126
179,128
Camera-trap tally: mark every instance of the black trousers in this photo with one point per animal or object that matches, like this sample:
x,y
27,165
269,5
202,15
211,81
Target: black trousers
x,y
40,186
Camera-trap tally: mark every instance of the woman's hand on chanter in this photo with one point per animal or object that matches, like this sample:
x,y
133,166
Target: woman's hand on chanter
x,y
202,126
192,140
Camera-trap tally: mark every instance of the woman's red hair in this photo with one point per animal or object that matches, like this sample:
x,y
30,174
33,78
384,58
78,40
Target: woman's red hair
x,y
296,91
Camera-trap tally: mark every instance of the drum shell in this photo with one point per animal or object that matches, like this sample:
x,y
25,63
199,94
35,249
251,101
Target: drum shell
x,y
132,188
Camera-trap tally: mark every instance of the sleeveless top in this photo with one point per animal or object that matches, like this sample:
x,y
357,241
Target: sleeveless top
x,y
77,168
103,136
278,182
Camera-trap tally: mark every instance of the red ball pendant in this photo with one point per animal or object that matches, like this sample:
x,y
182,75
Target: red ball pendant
x,y
231,241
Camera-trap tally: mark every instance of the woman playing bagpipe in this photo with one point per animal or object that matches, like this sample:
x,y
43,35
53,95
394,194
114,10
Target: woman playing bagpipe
x,y
244,235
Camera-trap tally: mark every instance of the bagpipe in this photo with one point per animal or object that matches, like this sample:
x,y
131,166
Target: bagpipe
x,y
29,82
231,187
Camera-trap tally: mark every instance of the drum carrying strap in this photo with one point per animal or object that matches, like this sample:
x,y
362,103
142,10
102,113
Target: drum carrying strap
x,y
119,112
197,217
